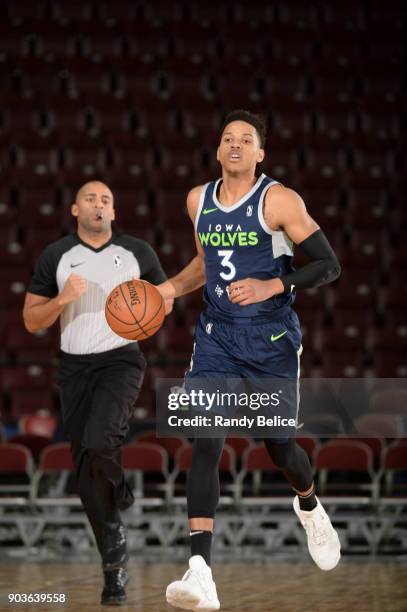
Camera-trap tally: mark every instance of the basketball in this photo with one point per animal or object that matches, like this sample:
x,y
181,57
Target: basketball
x,y
134,310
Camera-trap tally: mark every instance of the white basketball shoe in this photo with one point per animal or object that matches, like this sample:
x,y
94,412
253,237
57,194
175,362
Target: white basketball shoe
x,y
323,541
196,590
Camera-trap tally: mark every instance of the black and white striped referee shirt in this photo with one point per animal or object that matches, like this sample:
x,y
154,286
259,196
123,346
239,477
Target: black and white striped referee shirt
x,y
83,325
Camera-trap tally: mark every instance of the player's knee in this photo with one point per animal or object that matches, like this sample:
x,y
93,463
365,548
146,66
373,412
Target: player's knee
x,y
208,450
281,453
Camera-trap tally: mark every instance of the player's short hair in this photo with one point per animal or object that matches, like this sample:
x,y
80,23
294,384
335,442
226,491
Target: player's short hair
x,y
256,121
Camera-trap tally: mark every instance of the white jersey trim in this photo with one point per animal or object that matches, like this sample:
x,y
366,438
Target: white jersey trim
x,y
200,205
299,353
282,245
242,200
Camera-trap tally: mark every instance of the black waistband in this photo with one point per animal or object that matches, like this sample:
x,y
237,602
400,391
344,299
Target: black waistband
x,y
277,315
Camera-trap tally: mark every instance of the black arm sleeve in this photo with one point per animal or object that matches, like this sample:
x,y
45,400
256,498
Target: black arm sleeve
x,y
324,268
43,281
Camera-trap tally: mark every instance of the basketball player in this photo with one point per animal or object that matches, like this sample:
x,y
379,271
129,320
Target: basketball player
x,y
100,374
248,329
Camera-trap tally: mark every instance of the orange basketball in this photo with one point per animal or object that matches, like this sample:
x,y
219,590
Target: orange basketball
x,y
134,310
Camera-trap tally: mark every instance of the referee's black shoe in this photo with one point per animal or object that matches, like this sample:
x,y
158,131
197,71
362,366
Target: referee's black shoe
x,y
113,593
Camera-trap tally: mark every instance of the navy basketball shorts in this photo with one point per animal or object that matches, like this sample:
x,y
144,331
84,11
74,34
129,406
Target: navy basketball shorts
x,y
258,352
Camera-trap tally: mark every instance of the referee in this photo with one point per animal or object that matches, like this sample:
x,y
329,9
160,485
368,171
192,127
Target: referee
x,y
100,374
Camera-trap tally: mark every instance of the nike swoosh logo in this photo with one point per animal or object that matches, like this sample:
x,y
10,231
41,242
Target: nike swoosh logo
x,y
273,338
78,264
206,211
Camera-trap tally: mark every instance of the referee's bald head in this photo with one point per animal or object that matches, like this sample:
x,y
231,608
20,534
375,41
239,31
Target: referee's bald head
x,y
92,187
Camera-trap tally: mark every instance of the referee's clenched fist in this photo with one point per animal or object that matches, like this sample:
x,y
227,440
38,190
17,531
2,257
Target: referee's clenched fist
x,y
74,287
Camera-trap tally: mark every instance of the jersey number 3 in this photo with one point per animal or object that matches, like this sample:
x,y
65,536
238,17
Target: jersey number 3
x,y
226,263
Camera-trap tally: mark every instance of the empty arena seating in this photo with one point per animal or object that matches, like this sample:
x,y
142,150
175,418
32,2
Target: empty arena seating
x,y
394,463
16,468
256,463
334,462
143,459
26,390
361,481
33,442
345,459
239,444
135,95
56,458
376,445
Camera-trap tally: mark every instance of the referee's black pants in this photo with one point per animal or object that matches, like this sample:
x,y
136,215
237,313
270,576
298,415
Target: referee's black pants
x,y
98,392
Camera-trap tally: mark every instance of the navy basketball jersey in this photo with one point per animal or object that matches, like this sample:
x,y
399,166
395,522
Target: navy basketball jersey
x,y
238,244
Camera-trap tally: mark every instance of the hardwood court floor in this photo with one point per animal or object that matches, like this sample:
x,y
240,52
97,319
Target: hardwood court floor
x,y
352,587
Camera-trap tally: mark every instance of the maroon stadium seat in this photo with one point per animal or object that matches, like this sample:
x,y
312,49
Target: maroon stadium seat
x,y
144,459
26,377
33,442
16,461
74,12
376,445
170,444
392,340
239,444
351,296
388,365
338,457
29,401
347,339
193,41
257,463
56,458
344,363
26,10
145,456
15,458
394,461
56,465
19,339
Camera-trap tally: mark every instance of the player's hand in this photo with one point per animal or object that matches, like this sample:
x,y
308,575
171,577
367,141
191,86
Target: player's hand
x,y
167,291
74,287
252,290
